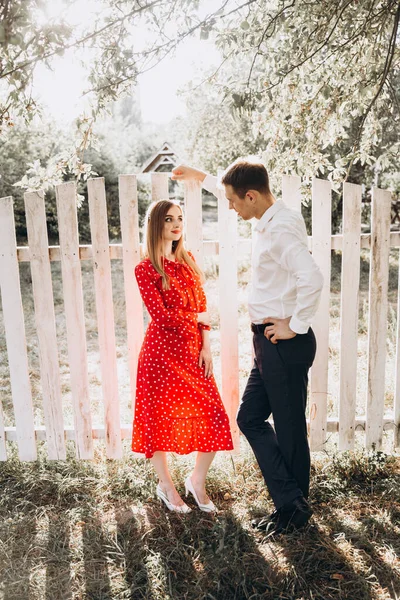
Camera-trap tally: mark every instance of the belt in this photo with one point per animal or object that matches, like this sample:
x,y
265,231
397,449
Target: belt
x,y
259,328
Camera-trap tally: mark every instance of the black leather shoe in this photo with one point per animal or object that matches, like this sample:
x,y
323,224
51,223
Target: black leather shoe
x,y
292,516
266,522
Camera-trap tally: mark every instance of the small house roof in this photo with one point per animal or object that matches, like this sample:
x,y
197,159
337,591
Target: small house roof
x,y
165,156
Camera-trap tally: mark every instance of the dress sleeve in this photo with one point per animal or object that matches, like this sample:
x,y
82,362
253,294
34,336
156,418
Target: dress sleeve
x,y
161,315
201,297
202,305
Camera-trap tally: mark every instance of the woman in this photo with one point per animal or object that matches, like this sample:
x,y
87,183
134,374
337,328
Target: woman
x,y
178,407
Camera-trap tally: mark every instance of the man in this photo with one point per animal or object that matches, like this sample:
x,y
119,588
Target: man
x,y
283,298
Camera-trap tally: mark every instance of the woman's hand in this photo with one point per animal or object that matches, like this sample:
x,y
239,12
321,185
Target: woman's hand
x,y
203,318
205,359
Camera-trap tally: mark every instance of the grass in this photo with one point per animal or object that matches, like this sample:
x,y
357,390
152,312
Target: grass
x,y
94,530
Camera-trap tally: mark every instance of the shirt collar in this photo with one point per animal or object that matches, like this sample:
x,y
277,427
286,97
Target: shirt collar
x,y
268,215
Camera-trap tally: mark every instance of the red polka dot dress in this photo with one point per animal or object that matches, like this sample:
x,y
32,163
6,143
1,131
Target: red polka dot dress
x,y
177,408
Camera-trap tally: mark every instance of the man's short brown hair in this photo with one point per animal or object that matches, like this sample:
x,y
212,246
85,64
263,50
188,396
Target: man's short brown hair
x,y
244,176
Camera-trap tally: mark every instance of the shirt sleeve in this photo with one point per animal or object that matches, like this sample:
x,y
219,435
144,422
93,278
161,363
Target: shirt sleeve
x,y
166,318
288,247
210,184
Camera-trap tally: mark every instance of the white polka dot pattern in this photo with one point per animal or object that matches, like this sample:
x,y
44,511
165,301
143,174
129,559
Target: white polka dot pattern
x,y
177,408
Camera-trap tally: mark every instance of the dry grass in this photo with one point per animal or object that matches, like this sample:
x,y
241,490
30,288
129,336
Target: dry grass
x,y
94,530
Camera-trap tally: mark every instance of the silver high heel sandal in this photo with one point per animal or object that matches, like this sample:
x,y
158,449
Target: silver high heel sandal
x,y
183,508
209,507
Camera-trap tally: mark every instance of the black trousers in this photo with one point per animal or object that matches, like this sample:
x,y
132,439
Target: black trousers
x,y
278,385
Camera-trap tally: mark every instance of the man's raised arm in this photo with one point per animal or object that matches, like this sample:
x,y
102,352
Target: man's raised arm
x,y
186,173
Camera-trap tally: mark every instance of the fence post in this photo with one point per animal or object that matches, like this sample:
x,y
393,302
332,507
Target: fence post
x,y
45,323
128,206
228,299
378,303
159,186
3,447
396,434
291,191
349,313
74,317
105,314
194,220
321,250
15,335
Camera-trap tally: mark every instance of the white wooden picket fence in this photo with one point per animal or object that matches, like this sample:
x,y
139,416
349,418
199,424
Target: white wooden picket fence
x,y
228,247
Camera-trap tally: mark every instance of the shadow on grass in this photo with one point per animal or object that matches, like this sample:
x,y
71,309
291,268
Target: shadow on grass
x,y
219,558
363,541
58,564
320,569
19,561
95,531
206,556
96,552
131,538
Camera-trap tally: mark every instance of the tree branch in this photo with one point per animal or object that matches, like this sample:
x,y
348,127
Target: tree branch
x,y
386,68
80,41
310,56
169,46
393,94
273,20
385,72
208,79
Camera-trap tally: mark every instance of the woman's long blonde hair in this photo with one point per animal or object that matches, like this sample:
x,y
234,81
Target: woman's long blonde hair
x,y
153,240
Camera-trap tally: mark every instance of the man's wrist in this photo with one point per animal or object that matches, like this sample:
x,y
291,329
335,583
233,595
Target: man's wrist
x,y
200,176
298,326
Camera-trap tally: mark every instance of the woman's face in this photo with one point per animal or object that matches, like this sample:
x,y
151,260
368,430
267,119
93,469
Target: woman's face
x,y
173,224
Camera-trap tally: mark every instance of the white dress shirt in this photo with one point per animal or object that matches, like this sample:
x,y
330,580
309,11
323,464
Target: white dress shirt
x,y
286,282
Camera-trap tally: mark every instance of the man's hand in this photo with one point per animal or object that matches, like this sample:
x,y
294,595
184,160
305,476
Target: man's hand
x,y
186,173
205,359
279,330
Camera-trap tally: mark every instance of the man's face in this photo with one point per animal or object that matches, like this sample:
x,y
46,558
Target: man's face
x,y
245,207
